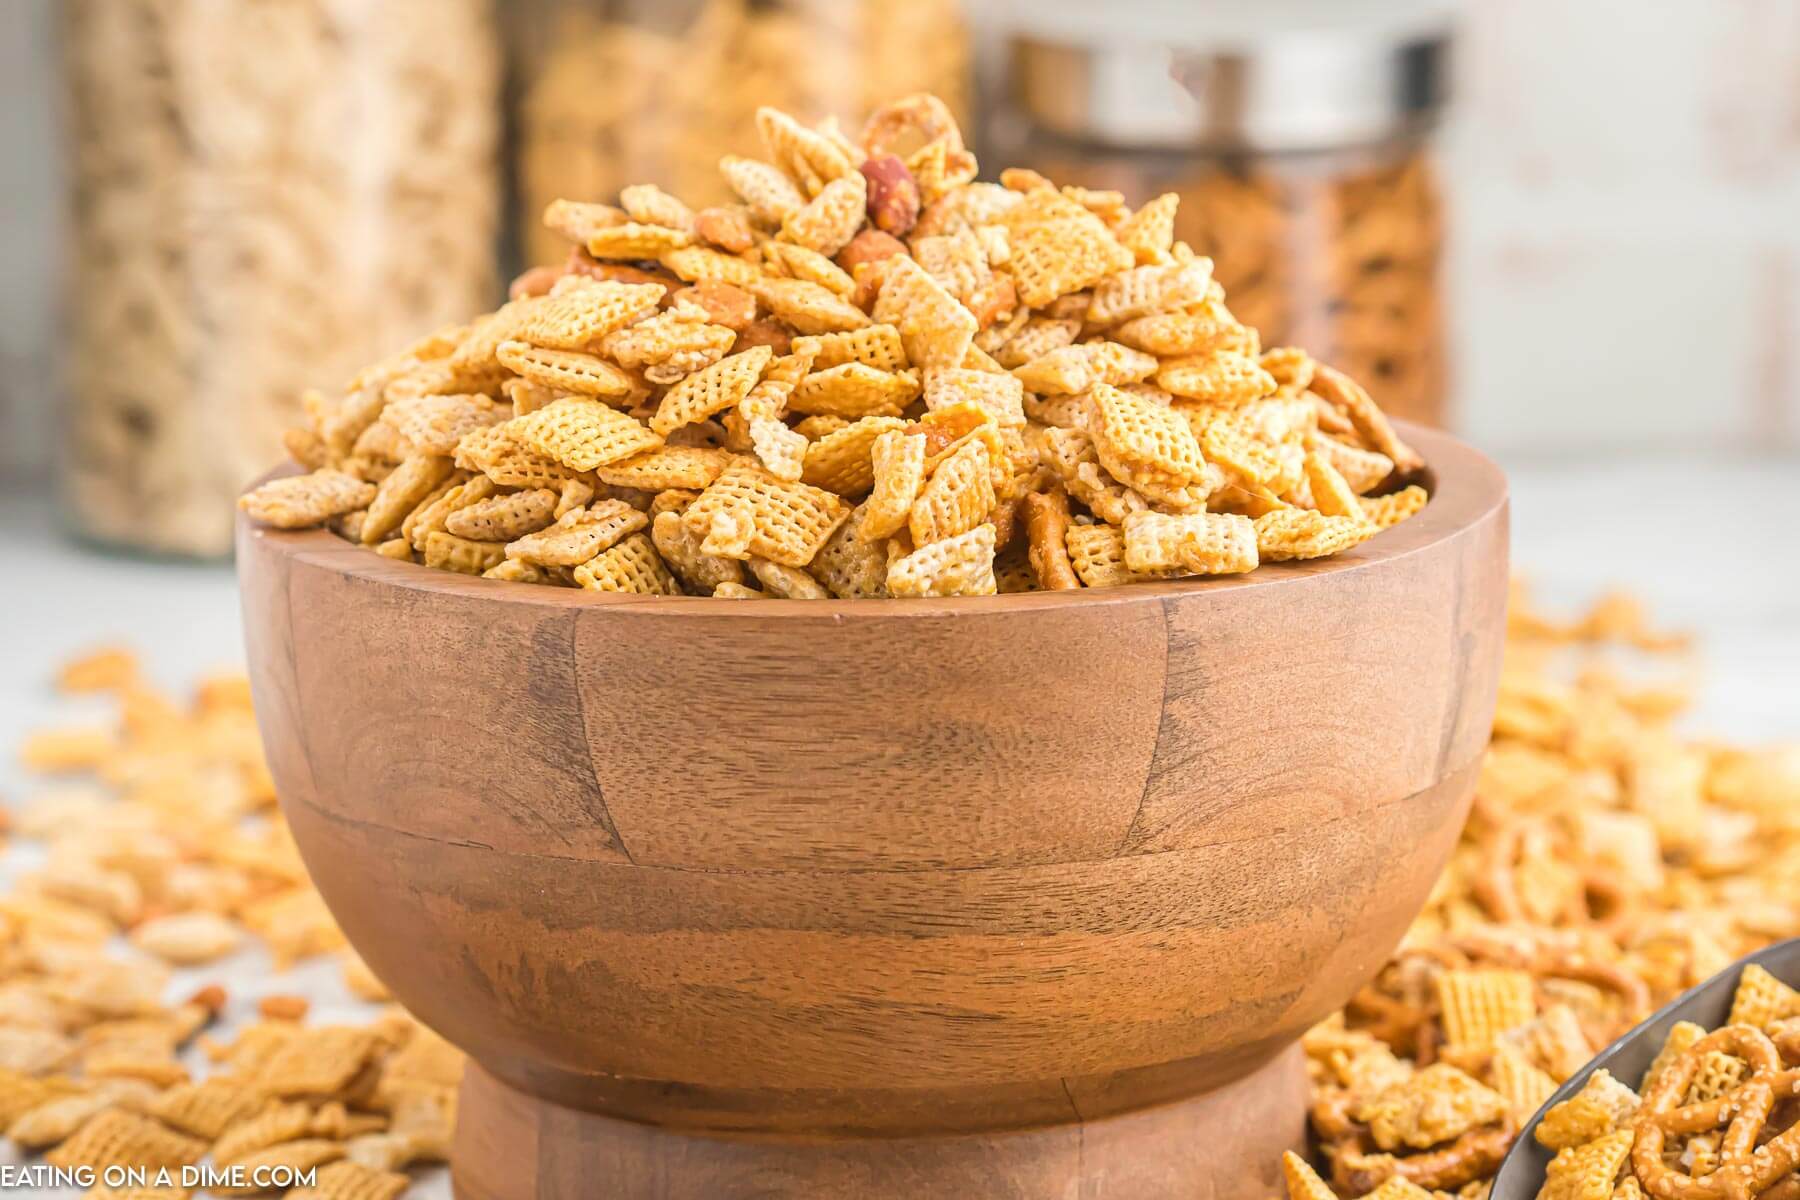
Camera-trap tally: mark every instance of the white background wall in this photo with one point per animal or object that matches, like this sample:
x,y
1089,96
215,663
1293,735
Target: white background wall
x,y
1626,246
1627,253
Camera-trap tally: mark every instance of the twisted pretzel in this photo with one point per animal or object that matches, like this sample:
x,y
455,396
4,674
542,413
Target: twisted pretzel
x,y
1331,1117
1786,1036
1399,1005
903,125
1745,1169
1613,909
1633,992
1496,886
1474,1155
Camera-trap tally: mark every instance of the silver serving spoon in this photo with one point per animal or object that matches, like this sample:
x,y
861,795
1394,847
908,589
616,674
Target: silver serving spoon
x,y
1522,1171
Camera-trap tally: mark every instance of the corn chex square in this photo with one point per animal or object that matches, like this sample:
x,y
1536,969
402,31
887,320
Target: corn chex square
x,y
854,390
935,327
579,319
713,390
842,461
876,346
1139,439
787,522
957,566
631,566
1189,543
581,434
1059,247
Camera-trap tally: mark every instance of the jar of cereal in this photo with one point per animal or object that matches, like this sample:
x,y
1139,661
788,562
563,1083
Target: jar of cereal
x,y
1298,138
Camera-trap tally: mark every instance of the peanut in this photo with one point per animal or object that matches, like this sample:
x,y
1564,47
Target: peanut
x,y
725,304
764,332
893,195
534,282
727,228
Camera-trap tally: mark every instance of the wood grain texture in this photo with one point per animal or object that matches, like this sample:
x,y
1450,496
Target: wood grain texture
x,y
1224,1145
874,870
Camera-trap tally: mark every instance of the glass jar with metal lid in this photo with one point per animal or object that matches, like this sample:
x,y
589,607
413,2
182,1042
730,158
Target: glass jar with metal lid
x,y
262,198
1297,137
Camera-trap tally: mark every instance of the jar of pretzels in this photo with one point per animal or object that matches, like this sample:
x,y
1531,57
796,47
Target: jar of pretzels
x,y
261,198
1298,138
611,92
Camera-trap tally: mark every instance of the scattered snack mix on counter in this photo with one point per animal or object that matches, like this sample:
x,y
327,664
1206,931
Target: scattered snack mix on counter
x,y
163,855
1608,865
871,376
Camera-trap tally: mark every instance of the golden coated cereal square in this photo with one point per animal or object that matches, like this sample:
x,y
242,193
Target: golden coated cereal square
x,y
842,461
827,223
116,1137
897,471
1298,533
434,424
1478,1005
702,572
1587,1172
853,390
580,319
1602,1105
1080,368
666,467
958,496
503,518
1138,438
631,566
999,395
566,370
1059,247
876,346
300,501
704,393
935,328
1191,543
810,308
850,567
1222,378
581,434
785,522
962,565
578,535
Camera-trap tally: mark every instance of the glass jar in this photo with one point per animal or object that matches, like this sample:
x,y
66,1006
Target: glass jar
x,y
615,92
263,198
1301,153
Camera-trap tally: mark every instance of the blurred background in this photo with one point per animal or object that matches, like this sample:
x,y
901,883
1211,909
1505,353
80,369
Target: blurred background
x,y
1567,229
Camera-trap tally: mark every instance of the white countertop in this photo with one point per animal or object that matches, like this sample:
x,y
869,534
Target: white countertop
x,y
1709,544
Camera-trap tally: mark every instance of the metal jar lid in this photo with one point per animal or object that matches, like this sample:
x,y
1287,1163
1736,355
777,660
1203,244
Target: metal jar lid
x,y
1259,75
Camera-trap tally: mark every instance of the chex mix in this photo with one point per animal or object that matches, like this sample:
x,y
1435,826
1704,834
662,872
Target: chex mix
x,y
872,375
1609,865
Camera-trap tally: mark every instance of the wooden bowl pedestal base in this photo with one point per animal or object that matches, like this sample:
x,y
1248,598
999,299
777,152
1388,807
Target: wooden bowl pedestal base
x,y
1222,1145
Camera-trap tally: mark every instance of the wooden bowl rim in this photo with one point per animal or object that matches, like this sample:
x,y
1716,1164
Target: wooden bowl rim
x,y
1466,489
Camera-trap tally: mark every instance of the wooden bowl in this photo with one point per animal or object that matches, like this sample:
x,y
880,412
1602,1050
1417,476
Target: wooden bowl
x,y
1708,1005
1026,895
